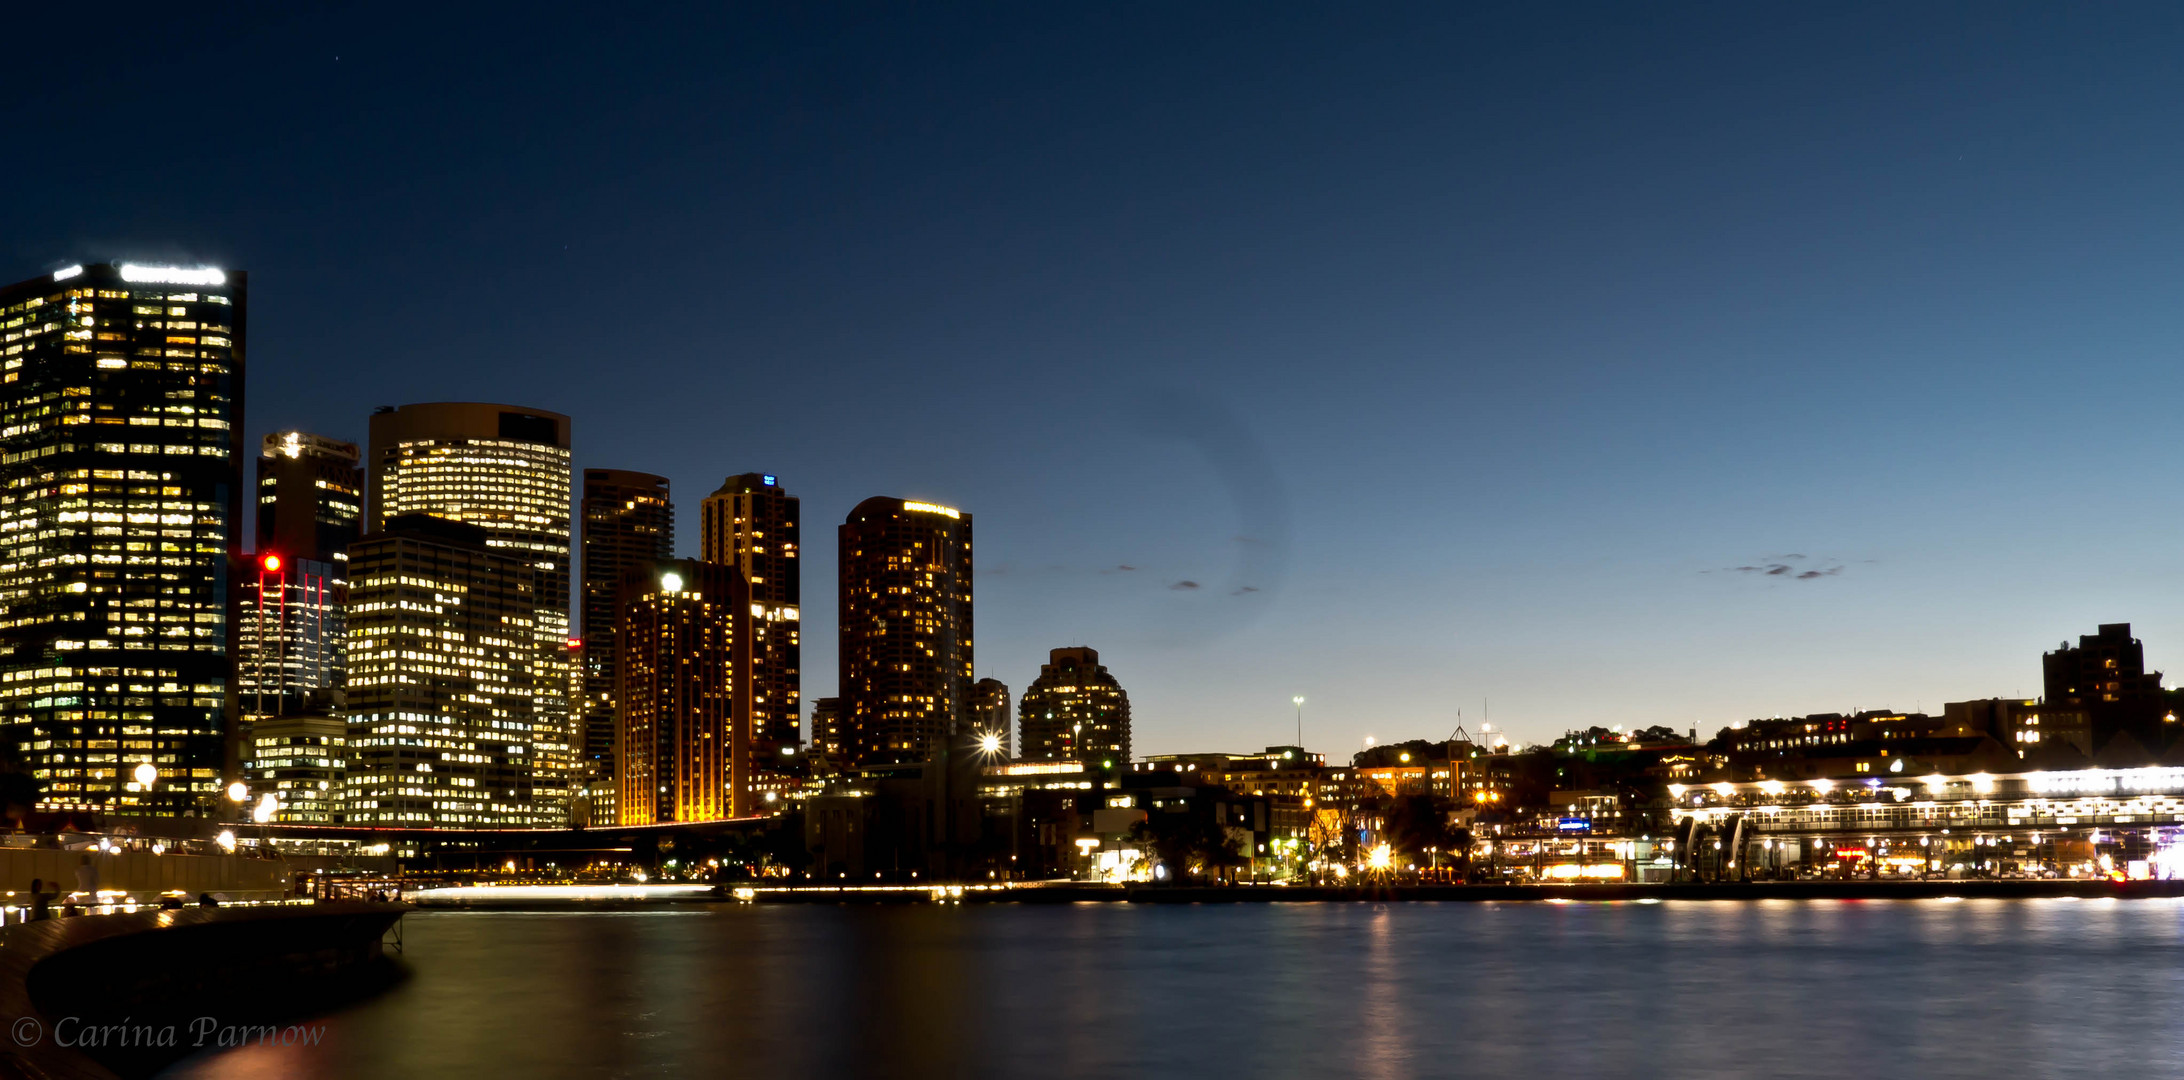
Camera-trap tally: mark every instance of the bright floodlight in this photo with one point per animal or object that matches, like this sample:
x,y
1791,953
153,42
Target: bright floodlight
x,y
267,807
1298,700
237,792
146,773
226,840
989,743
671,582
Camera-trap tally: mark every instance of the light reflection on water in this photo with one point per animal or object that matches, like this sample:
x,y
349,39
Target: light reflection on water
x,y
1703,988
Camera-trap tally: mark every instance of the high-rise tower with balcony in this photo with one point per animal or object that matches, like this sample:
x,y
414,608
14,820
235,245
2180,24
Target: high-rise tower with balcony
x,y
905,596
751,523
629,523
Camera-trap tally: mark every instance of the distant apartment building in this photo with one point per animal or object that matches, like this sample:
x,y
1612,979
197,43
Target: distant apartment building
x,y
906,637
1075,711
628,523
2104,675
990,714
683,694
753,524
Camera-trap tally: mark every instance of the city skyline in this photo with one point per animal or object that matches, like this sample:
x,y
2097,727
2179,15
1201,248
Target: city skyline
x,y
1526,352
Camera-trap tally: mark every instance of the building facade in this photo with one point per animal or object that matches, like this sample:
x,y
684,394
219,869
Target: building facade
x,y
289,640
990,713
504,469
906,641
2104,676
629,523
303,762
683,697
751,523
290,645
829,746
310,497
443,660
121,417
1075,711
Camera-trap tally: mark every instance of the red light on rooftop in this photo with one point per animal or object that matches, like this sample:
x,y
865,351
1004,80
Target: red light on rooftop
x,y
272,562
576,643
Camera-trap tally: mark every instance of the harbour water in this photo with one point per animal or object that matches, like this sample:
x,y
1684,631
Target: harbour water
x,y
1793,988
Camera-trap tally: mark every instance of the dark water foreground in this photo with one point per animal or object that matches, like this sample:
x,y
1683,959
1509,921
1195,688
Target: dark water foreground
x,y
1808,988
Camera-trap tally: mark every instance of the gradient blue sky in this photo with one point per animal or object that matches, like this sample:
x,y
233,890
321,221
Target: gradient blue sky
x,y
1455,357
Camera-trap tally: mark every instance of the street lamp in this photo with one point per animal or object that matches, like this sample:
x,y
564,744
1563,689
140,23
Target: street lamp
x,y
146,773
237,792
1298,701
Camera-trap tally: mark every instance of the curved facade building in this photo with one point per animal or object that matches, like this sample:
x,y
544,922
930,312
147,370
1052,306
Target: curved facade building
x,y
504,469
906,629
1075,711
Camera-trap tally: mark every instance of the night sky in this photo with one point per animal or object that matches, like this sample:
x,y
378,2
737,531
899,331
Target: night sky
x,y
1407,361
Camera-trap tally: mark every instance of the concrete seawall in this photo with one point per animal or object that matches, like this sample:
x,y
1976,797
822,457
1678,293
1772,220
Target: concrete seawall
x,y
126,995
143,876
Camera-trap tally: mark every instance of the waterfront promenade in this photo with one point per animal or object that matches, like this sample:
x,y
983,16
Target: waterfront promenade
x,y
610,897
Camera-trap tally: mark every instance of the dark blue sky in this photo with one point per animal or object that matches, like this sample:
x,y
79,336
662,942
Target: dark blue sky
x,y
1411,359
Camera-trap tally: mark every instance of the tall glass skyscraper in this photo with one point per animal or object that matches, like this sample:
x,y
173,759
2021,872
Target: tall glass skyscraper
x,y
906,629
751,523
504,469
293,592
121,416
442,680
629,522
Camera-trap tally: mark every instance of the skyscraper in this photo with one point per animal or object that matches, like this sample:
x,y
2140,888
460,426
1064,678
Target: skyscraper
x,y
504,469
629,522
310,497
906,629
121,418
990,712
1075,711
683,695
751,524
443,658
290,644
289,639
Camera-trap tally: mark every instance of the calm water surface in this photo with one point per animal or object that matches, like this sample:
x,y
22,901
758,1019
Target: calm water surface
x,y
1989,988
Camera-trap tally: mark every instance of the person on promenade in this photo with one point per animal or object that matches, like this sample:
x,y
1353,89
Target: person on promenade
x,y
87,880
41,906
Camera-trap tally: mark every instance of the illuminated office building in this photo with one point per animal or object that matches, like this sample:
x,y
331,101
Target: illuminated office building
x,y
629,522
683,695
289,642
990,713
121,416
905,629
504,469
310,497
751,524
302,761
288,628
443,658
1075,711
